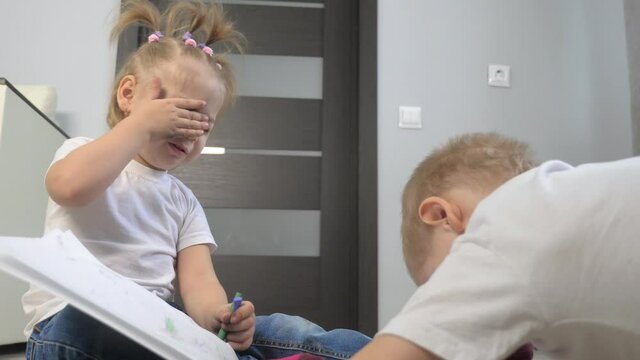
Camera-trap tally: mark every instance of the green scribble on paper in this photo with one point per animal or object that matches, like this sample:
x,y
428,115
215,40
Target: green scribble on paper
x,y
168,325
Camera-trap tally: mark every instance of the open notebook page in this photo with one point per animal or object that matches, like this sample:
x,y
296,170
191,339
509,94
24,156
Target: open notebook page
x,y
59,263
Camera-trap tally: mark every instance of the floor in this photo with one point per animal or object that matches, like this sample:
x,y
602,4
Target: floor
x,y
12,352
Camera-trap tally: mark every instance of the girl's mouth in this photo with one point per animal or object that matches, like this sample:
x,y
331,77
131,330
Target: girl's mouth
x,y
178,147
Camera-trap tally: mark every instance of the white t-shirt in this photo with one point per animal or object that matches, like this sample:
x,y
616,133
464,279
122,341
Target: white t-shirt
x,y
136,228
552,257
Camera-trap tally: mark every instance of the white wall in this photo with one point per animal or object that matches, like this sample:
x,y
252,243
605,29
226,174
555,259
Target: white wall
x,y
569,97
22,213
63,43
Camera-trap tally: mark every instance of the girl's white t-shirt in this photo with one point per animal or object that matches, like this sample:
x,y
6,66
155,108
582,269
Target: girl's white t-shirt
x,y
551,257
136,228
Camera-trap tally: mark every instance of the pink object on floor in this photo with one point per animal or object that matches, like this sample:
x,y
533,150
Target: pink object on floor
x,y
301,357
525,352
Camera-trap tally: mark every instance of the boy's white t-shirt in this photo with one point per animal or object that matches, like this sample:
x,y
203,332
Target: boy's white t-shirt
x,y
551,257
136,228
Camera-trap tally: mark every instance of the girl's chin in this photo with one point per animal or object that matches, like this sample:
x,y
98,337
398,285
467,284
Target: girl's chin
x,y
158,168
165,162
164,166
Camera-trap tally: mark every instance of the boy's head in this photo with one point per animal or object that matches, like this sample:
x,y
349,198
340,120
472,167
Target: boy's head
x,y
444,190
163,56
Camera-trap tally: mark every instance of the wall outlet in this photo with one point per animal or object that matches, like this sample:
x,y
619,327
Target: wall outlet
x,y
499,75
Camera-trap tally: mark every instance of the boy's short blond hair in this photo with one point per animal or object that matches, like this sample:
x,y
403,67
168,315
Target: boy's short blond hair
x,y
480,161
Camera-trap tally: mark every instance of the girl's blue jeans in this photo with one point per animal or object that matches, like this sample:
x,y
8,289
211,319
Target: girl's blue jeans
x,y
70,334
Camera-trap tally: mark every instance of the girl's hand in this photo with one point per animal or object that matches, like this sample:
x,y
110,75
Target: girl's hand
x,y
240,326
168,118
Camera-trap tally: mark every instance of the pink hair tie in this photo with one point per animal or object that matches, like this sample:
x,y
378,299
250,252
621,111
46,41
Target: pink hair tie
x,y
188,40
155,37
207,50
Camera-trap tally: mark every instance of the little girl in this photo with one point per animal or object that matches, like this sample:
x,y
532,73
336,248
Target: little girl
x,y
115,195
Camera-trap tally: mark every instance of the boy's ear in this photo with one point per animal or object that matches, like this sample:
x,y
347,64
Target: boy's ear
x,y
436,211
125,92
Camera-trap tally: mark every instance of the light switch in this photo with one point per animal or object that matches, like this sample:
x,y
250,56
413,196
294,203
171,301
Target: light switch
x,y
410,117
499,75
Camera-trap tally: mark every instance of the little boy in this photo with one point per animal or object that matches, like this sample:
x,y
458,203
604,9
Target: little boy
x,y
506,254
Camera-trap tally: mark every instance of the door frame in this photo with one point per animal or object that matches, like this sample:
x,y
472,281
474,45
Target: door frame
x,y
350,146
368,166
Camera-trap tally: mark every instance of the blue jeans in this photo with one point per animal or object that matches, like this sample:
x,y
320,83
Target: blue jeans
x,y
70,334
280,335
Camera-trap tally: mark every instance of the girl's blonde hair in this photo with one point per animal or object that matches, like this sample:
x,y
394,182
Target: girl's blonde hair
x,y
480,161
205,21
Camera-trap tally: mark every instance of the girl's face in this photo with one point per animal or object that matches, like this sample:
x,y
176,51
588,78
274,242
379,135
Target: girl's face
x,y
184,78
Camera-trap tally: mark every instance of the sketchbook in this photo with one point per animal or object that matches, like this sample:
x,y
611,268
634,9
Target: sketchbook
x,y
60,264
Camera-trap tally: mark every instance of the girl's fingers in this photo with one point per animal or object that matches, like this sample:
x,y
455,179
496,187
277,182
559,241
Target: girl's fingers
x,y
189,133
243,318
241,325
240,340
240,346
192,115
246,310
187,124
195,124
240,336
188,104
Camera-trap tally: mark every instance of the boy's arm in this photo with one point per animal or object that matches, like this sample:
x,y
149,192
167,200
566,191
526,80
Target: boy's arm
x,y
205,300
384,347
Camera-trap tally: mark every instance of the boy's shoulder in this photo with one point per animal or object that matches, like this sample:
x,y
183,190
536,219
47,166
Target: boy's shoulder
x,y
556,178
531,200
539,174
517,191
556,201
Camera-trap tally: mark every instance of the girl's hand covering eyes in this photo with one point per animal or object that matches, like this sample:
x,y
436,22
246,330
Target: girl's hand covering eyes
x,y
171,117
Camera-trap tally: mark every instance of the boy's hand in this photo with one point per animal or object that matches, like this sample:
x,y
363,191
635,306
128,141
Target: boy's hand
x,y
171,117
240,326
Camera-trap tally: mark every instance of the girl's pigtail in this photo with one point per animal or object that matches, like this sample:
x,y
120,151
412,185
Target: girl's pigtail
x,y
221,35
221,32
180,17
205,21
136,11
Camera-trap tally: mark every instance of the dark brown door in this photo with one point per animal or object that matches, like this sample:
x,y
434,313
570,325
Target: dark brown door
x,y
282,200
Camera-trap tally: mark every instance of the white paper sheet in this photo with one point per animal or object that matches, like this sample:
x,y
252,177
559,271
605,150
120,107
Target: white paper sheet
x,y
59,263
